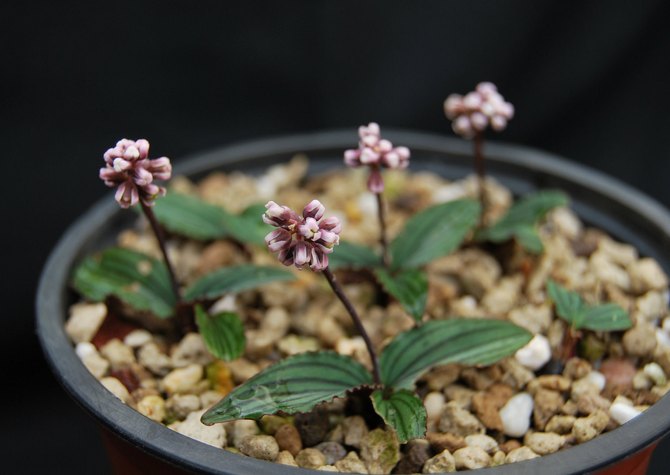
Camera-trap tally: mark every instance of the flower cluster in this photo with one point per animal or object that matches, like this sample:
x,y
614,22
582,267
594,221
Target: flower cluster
x,y
129,168
302,240
376,152
477,110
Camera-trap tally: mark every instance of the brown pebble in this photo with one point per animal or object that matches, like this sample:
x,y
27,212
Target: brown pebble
x,y
587,403
416,453
487,405
554,382
547,404
619,372
310,458
576,368
312,426
127,378
510,445
288,438
640,340
440,441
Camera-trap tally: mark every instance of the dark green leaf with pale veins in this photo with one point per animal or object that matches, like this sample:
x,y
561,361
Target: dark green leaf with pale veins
x,y
191,217
409,287
137,279
433,233
294,384
521,220
571,307
222,333
403,411
235,279
348,255
468,341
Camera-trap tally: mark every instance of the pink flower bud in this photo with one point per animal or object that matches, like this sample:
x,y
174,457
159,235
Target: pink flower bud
x,y
130,170
301,254
314,210
302,240
369,156
376,152
478,110
352,158
478,121
375,181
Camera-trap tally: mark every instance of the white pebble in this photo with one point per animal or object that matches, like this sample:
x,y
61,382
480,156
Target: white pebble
x,y
535,354
88,354
116,387
450,192
85,349
597,378
367,204
85,320
137,338
662,337
434,403
666,325
516,414
622,412
224,304
655,373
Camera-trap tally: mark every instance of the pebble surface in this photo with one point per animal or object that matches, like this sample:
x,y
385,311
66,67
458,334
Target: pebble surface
x,y
468,409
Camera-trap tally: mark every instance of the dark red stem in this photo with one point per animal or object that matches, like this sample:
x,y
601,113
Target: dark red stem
x,y
386,258
357,322
160,237
480,169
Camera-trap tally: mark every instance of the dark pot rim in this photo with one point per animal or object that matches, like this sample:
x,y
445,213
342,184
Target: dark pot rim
x,y
596,198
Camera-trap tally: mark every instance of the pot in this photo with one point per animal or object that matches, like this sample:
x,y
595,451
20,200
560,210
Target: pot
x,y
139,445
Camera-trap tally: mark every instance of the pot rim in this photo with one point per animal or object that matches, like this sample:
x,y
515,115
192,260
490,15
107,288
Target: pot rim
x,y
158,440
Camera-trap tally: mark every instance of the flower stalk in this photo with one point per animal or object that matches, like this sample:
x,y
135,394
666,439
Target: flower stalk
x,y
377,153
306,240
129,169
471,115
337,289
381,213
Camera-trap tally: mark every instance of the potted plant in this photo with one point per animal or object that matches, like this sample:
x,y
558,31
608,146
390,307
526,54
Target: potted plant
x,y
600,201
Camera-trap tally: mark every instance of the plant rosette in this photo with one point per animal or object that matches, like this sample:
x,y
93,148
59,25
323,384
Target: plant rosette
x,y
439,373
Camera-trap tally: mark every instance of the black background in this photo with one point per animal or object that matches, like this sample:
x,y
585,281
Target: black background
x,y
588,79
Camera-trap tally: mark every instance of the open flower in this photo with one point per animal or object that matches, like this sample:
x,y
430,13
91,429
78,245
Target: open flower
x,y
302,240
478,109
376,152
129,169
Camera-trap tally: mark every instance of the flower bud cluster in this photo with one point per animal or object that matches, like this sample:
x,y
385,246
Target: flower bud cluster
x,y
376,152
129,169
302,240
478,109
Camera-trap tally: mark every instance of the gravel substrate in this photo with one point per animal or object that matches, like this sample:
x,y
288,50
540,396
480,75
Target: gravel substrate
x,y
522,407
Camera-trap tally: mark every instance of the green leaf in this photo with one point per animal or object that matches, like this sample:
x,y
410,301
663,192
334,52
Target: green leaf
x,y
294,384
191,217
606,317
248,226
468,341
137,279
353,256
409,287
222,333
522,218
403,411
528,238
569,304
433,233
234,279
571,307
